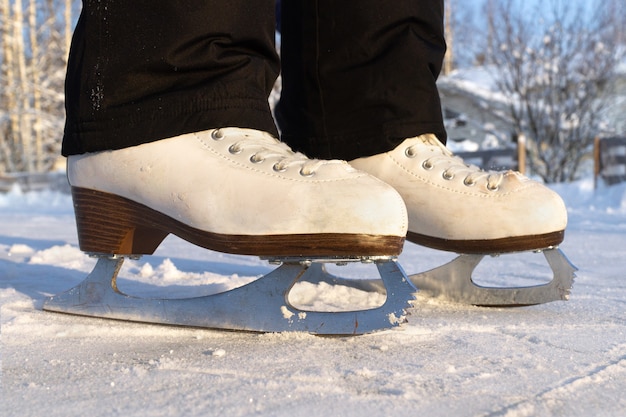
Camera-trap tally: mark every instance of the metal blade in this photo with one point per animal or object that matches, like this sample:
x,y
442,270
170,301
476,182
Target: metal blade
x,y
261,305
453,281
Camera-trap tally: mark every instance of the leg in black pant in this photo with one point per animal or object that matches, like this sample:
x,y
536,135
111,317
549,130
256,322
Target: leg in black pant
x,y
359,75
145,70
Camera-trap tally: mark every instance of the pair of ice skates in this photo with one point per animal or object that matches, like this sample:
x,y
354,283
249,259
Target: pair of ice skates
x,y
242,191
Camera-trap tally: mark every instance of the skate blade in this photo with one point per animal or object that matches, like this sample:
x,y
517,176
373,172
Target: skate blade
x,y
260,306
453,281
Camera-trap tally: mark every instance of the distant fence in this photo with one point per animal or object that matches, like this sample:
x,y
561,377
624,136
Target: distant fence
x,y
610,160
493,159
35,182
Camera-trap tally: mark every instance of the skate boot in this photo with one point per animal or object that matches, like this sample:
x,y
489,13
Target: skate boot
x,y
457,207
238,191
232,190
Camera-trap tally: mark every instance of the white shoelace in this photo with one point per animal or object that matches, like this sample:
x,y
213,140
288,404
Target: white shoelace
x,y
452,166
266,146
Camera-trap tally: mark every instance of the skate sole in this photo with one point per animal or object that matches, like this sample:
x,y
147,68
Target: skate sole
x,y
490,246
110,224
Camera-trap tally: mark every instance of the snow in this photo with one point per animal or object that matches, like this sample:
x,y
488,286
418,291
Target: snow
x,y
560,358
480,81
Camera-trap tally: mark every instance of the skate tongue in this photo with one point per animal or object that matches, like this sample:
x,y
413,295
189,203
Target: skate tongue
x,y
431,140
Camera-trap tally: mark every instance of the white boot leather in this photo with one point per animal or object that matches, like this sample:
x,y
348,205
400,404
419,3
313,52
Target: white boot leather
x,y
457,207
242,184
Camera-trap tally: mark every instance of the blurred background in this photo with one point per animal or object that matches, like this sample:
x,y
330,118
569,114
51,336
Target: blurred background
x,y
551,73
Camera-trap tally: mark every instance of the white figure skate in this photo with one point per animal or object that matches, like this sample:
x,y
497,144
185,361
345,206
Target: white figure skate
x,y
237,191
460,208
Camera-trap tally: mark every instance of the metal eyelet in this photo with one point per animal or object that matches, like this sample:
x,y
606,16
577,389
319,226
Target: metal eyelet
x,y
306,174
447,176
492,188
427,165
410,153
279,168
469,182
255,159
234,149
217,134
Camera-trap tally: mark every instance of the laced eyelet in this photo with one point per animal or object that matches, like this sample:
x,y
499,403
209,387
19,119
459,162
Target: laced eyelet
x,y
255,159
427,165
217,134
234,149
279,168
409,152
469,182
492,187
307,174
447,175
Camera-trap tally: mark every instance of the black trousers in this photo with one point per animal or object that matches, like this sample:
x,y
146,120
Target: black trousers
x,y
358,75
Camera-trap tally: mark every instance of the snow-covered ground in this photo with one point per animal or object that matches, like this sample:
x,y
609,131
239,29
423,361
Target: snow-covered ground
x,y
561,358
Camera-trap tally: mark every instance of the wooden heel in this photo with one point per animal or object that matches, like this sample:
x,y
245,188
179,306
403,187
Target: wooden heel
x,y
113,225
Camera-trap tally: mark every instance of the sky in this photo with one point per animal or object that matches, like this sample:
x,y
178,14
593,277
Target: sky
x,y
476,6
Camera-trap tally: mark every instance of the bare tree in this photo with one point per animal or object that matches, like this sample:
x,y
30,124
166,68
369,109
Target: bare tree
x,y
463,34
615,13
448,60
553,63
8,122
34,36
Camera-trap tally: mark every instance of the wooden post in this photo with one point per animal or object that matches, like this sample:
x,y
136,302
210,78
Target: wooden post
x,y
521,153
596,162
